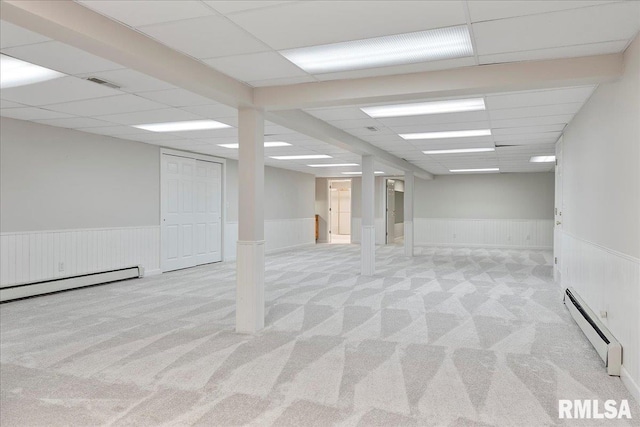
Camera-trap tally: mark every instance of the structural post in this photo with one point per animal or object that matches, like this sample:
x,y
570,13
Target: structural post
x,y
250,250
368,240
408,212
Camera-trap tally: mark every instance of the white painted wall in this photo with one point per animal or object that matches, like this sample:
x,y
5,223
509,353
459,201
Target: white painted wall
x,y
92,202
601,209
485,210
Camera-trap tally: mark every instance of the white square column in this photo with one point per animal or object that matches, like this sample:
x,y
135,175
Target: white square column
x,y
368,240
250,251
409,182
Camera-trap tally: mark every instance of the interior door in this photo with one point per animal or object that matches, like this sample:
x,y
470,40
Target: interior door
x,y
191,212
178,213
208,212
391,211
334,212
557,228
344,209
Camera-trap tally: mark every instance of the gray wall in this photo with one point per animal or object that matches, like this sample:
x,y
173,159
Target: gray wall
x,y
54,179
486,196
601,165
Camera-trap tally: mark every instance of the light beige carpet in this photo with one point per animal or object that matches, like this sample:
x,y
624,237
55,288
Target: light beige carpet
x,y
452,337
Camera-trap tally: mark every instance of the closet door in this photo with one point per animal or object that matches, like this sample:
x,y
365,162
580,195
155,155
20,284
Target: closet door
x,y
208,212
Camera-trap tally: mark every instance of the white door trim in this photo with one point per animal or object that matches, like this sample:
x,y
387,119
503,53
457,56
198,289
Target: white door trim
x,y
195,156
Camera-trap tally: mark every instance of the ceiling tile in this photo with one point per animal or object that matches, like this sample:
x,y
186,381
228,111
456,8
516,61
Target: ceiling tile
x,y
176,97
227,7
528,129
153,116
12,35
65,89
145,12
61,57
308,23
488,10
212,111
436,119
256,66
556,52
75,122
130,80
615,21
9,104
532,121
114,130
538,111
107,105
31,113
540,97
206,37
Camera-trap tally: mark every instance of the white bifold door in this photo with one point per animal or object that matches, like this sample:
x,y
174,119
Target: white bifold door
x,y
191,212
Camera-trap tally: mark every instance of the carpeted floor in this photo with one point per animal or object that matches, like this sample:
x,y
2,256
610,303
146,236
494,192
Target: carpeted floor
x,y
452,337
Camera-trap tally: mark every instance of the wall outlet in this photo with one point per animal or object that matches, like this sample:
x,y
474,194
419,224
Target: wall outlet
x,y
61,266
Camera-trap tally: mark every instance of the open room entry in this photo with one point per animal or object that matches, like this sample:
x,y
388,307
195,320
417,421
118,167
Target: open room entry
x,y
191,200
394,221
340,211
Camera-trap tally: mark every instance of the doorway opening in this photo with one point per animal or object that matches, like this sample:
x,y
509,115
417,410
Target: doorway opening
x,y
394,222
340,211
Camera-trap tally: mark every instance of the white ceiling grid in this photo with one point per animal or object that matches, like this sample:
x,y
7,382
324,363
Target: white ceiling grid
x,y
241,39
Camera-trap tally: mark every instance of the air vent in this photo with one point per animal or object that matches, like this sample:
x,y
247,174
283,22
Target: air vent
x,y
372,129
103,82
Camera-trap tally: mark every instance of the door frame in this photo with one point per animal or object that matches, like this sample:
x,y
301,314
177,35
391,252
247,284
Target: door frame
x,y
330,209
223,221
557,217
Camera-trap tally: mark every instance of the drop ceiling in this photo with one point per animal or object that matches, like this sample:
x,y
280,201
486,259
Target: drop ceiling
x,y
242,39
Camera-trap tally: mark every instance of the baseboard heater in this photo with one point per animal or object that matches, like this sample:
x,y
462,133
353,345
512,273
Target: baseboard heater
x,y
26,290
603,341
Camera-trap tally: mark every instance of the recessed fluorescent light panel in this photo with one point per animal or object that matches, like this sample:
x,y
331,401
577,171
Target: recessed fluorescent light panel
x,y
304,157
447,134
423,108
410,48
333,165
359,173
542,159
475,170
183,126
14,73
460,150
266,145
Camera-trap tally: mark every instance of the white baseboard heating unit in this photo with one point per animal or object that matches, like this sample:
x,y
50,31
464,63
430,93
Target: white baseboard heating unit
x,y
26,290
603,341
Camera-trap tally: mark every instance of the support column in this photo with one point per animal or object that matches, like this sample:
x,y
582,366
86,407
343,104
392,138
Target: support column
x,y
368,240
408,212
250,250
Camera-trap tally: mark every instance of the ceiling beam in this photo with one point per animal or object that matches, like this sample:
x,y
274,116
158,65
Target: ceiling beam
x,y
305,123
465,81
78,26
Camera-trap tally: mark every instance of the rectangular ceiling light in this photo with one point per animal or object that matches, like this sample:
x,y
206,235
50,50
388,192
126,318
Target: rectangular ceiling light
x,y
183,126
460,150
304,157
409,48
447,134
475,170
266,145
14,73
542,159
422,108
359,173
333,165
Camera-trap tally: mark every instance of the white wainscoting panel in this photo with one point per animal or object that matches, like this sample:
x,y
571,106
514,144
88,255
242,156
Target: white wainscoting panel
x,y
356,230
608,281
279,234
35,256
515,233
